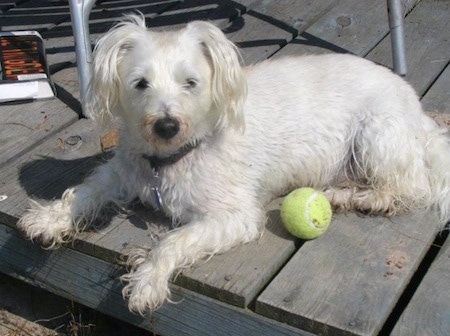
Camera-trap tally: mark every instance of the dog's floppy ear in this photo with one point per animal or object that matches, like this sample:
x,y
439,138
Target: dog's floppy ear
x,y
229,88
103,93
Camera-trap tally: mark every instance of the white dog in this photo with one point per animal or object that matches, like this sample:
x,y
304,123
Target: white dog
x,y
210,143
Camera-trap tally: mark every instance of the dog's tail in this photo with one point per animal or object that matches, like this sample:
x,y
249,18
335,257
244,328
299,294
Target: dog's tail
x,y
437,158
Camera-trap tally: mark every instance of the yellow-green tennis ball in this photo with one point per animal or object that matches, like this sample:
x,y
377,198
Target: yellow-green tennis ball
x,y
306,213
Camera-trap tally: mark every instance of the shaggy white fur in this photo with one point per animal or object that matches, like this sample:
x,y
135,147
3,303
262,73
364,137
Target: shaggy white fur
x,y
337,123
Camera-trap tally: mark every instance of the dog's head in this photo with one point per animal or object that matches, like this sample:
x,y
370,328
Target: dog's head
x,y
167,88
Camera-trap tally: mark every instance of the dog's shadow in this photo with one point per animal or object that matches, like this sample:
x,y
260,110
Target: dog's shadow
x,y
46,179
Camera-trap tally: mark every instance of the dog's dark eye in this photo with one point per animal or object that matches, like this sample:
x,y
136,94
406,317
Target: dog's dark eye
x,y
142,84
191,83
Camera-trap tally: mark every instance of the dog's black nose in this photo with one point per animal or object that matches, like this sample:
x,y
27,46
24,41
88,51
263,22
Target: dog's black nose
x,y
166,128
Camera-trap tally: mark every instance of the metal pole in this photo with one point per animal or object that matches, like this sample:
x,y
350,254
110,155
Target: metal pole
x,y
397,36
79,11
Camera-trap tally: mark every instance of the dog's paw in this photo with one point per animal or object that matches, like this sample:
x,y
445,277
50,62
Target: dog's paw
x,y
148,286
50,224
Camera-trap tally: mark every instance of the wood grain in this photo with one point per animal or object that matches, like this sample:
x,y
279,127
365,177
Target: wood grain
x,y
176,17
348,27
44,173
261,35
437,99
428,312
427,44
238,275
39,14
347,281
25,125
95,283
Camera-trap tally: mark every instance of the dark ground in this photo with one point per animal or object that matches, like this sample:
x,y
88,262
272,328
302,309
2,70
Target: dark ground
x,y
20,302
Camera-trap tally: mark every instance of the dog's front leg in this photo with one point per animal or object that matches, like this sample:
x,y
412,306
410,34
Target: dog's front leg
x,y
58,221
150,272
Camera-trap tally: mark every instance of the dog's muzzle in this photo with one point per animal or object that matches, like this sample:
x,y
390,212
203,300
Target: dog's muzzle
x,y
166,128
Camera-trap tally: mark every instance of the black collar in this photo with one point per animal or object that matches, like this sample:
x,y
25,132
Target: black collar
x,y
158,162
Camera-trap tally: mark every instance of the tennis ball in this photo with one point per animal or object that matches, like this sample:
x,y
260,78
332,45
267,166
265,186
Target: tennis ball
x,y
306,213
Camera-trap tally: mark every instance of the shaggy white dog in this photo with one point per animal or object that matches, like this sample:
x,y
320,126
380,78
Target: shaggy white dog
x,y
210,143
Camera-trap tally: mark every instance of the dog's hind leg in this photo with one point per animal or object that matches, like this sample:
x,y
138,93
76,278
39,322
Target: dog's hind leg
x,y
366,200
400,156
413,174
390,173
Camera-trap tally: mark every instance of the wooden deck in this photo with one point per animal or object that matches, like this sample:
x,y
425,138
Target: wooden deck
x,y
366,276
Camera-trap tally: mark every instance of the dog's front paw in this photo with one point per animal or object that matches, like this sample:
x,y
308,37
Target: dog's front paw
x,y
50,224
148,286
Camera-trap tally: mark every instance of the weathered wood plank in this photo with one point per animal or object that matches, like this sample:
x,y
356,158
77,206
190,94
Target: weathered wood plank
x,y
437,99
95,283
25,125
271,19
176,17
348,27
255,45
239,275
47,170
39,14
427,44
428,313
6,5
234,277
347,281
116,9
136,226
66,80
268,26
60,162
290,14
105,14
